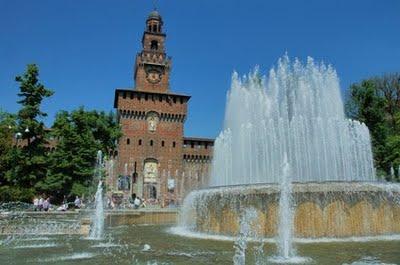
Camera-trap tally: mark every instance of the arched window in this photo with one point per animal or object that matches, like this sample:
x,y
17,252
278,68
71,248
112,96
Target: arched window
x,y
151,142
140,142
154,45
154,28
128,141
173,144
162,143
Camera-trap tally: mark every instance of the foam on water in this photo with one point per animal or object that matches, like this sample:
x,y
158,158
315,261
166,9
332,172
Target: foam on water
x,y
35,239
368,261
190,254
106,245
74,256
45,245
290,260
181,231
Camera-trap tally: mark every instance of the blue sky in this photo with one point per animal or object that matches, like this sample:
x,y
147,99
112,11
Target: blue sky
x,y
85,49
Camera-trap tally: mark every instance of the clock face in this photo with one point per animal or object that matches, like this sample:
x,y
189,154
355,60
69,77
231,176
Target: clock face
x,y
153,76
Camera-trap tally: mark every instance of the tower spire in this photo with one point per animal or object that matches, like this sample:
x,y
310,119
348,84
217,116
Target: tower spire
x,y
155,5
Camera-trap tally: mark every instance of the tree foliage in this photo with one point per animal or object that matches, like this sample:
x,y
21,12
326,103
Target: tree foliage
x,y
80,134
29,163
376,102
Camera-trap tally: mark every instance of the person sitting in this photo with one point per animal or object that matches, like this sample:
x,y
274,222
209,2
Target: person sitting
x,y
63,207
136,203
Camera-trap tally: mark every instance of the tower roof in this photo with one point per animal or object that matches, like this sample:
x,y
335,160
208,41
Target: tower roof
x,y
154,15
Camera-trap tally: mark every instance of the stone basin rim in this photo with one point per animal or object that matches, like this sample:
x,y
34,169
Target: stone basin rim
x,y
312,186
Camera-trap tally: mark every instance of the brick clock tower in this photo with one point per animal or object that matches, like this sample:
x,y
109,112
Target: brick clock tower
x,y
154,160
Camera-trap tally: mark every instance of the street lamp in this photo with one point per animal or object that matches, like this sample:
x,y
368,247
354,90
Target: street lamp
x,y
27,130
18,136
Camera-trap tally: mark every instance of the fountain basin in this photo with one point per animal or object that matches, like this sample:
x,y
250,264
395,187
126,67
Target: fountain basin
x,y
329,209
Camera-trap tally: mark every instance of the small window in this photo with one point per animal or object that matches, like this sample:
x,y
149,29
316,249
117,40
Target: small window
x,y
149,28
146,97
128,141
162,143
124,95
205,146
151,142
155,28
173,144
140,141
154,45
192,145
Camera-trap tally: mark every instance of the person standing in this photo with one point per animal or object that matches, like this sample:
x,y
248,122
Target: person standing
x,y
77,202
35,204
46,204
40,204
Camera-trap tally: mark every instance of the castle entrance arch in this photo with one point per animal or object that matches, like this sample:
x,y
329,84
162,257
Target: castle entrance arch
x,y
151,179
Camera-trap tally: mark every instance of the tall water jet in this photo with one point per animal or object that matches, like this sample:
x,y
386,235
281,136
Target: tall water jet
x,y
286,250
285,228
247,230
97,220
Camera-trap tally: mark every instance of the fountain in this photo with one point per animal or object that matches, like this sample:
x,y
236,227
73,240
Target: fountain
x,y
285,229
97,219
297,112
246,230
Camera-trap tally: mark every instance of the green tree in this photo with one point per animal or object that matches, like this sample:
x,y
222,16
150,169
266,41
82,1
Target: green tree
x,y
80,135
32,160
26,164
376,102
7,125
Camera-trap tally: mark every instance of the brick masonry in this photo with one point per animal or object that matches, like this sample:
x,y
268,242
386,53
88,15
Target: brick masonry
x,y
162,164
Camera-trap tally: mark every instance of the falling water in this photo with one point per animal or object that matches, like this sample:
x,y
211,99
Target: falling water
x,y
97,220
298,110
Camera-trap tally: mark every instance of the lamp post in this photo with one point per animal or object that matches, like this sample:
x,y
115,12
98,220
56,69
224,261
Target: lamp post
x,y
27,131
18,136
